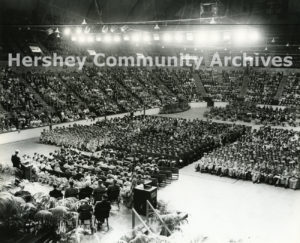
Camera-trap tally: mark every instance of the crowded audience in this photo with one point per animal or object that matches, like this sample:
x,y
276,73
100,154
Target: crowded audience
x,y
222,86
250,112
291,92
23,108
39,98
265,155
262,87
176,139
82,175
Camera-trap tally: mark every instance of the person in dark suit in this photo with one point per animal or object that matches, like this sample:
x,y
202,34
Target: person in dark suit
x,y
99,191
102,210
55,192
71,191
78,175
85,211
15,159
85,192
113,191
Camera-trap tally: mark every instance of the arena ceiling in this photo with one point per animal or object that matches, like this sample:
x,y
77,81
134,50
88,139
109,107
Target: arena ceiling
x,y
21,12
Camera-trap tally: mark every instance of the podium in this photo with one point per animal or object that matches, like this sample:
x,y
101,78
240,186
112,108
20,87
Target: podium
x,y
27,171
140,196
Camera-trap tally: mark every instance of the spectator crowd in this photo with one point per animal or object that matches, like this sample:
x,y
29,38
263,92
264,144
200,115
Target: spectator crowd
x,y
250,112
39,98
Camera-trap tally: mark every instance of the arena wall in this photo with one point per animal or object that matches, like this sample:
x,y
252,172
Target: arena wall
x,y
220,104
198,104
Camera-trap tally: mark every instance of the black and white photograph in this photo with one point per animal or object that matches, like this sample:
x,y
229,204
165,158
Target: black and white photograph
x,y
149,121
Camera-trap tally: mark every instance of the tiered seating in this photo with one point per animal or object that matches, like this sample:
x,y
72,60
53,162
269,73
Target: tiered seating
x,y
107,80
263,87
152,83
128,77
97,102
221,86
291,93
16,98
58,95
96,92
187,85
180,82
250,112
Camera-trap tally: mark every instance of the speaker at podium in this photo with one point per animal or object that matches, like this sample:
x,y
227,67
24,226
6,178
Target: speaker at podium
x,y
141,195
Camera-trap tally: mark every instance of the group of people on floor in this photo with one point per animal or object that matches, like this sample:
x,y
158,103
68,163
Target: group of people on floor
x,y
95,201
111,166
265,155
95,193
177,139
95,181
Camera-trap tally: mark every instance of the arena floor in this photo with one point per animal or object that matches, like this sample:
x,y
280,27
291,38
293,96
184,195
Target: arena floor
x,y
220,209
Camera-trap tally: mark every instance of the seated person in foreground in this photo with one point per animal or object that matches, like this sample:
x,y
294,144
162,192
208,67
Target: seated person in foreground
x,y
71,191
99,192
85,210
102,210
55,193
113,191
85,192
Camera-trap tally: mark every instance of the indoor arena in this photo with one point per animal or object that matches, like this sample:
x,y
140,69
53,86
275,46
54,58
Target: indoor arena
x,y
151,121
